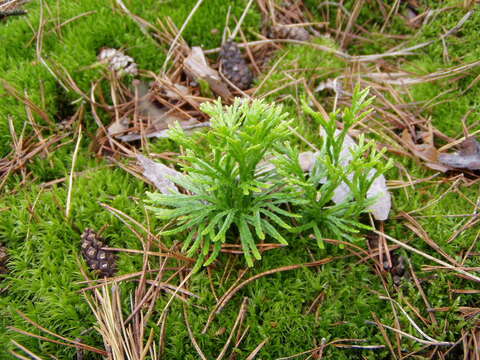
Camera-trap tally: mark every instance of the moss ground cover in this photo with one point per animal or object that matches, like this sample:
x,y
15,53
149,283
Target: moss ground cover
x,y
44,277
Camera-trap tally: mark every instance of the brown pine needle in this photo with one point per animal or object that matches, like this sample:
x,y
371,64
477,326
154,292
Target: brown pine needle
x,y
448,266
255,351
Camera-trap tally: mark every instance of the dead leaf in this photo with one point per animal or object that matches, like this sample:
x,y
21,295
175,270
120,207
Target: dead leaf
x,y
425,151
196,66
331,84
119,127
163,134
467,158
181,91
159,175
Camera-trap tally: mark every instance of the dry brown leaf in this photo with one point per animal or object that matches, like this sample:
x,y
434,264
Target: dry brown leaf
x,y
197,67
467,158
119,127
426,151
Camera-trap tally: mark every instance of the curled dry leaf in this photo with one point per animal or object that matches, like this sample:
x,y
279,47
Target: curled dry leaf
x,y
179,92
467,158
159,174
331,84
160,118
119,126
197,67
425,151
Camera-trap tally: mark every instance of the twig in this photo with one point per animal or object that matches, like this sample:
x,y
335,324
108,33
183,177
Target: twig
x,y
16,12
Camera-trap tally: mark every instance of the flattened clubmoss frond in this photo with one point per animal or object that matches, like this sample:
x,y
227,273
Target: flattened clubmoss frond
x,y
231,200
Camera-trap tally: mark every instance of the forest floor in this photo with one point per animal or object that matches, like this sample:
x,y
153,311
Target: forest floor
x,y
61,173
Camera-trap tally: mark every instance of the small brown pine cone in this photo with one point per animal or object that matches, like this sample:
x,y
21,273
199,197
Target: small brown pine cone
x,y
234,66
100,261
3,260
289,32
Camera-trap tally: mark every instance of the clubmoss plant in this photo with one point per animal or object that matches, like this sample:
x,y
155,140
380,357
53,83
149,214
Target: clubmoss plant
x,y
338,167
229,195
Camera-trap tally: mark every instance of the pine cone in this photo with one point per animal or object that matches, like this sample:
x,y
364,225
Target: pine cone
x,y
289,32
234,66
398,267
3,260
100,261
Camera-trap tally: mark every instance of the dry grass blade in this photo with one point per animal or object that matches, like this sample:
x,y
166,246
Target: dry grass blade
x,y
9,5
143,24
123,341
39,47
18,356
416,327
152,253
403,333
124,217
336,343
179,34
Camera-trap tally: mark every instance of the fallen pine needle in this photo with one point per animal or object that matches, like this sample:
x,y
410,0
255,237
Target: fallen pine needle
x,y
72,171
449,266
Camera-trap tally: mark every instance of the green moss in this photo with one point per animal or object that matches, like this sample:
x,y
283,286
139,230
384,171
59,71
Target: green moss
x,y
44,247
